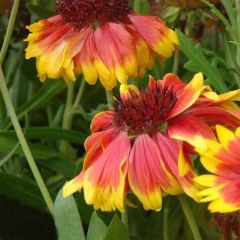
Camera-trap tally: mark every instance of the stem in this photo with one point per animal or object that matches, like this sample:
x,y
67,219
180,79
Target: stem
x,y
8,34
176,61
189,216
165,223
79,94
137,6
24,144
238,31
67,116
124,218
109,95
67,120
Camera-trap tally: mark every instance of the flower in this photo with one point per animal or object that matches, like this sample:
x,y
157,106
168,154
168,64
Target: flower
x,y
222,159
102,39
142,145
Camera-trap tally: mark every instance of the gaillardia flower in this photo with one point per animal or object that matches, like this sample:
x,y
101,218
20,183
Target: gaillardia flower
x,y
142,146
222,159
102,39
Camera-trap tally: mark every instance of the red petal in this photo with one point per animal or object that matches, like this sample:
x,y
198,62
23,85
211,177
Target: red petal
x,y
104,181
190,129
146,175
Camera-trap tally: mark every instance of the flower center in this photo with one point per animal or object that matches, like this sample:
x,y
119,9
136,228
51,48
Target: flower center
x,y
144,113
83,13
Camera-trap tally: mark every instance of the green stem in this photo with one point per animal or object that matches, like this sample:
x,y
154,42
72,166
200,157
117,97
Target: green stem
x,y
24,144
137,6
8,34
67,115
176,61
79,94
238,31
165,223
109,95
190,218
124,218
67,119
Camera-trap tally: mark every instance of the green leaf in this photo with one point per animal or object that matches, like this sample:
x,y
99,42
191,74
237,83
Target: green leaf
x,y
50,134
7,143
232,14
199,63
97,228
67,219
49,90
116,230
59,165
21,190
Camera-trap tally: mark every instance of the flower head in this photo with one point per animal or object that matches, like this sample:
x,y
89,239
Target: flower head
x,y
222,159
101,39
142,146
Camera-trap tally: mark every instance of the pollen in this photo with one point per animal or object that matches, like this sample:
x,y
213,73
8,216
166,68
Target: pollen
x,y
146,112
83,13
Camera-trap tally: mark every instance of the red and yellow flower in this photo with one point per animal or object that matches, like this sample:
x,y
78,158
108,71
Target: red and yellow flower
x,y
101,39
222,159
143,145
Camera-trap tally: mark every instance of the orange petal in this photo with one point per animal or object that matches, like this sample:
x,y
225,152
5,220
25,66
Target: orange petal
x,y
190,93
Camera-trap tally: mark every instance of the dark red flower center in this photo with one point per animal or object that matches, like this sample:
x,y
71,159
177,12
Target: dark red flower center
x,y
144,113
83,13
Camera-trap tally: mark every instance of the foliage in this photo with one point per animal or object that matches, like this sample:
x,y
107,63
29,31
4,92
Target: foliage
x,y
59,150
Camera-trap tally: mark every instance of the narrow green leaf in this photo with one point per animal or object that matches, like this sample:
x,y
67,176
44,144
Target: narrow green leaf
x,y
59,165
67,219
199,63
50,134
43,96
7,143
21,190
232,14
116,230
97,228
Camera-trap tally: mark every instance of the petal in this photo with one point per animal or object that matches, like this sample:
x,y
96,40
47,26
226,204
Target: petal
x,y
146,174
221,206
102,121
172,153
104,181
225,97
206,180
104,138
225,136
217,115
174,83
190,93
191,130
74,185
155,33
128,91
